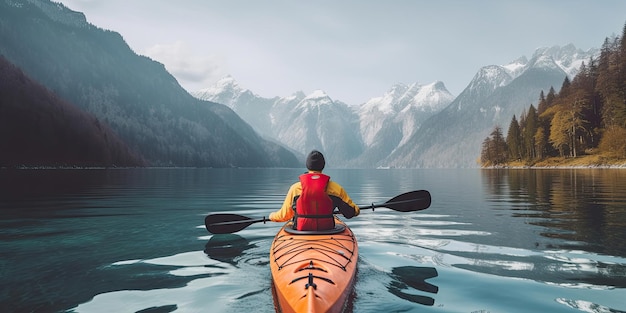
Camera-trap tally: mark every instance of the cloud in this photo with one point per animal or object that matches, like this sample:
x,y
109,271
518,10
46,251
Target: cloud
x,y
194,71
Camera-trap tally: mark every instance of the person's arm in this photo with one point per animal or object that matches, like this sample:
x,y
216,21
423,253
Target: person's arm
x,y
334,189
286,212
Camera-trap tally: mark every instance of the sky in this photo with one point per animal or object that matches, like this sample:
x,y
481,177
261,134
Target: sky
x,y
353,50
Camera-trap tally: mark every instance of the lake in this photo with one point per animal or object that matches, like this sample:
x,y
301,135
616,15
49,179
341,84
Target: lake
x,y
133,240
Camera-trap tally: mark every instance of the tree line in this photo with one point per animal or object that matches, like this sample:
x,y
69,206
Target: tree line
x,y
586,116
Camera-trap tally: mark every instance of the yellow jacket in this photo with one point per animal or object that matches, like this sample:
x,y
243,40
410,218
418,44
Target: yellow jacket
x,y
286,211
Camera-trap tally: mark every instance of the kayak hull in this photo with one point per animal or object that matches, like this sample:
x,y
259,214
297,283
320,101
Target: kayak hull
x,y
313,272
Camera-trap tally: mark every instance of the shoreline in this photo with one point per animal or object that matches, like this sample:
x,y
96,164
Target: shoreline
x,y
583,162
558,167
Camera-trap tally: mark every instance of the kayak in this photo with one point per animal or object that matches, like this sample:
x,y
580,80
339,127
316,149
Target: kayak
x,y
313,271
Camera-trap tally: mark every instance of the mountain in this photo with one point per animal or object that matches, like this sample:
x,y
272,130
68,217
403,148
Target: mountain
x,y
97,71
352,136
387,122
453,137
250,107
410,125
37,128
319,122
301,122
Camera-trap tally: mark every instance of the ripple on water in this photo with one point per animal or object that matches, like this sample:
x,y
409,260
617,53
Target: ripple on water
x,y
231,275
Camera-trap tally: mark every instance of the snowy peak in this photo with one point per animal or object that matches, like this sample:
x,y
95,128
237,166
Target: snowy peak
x,y
225,91
489,78
516,67
431,97
567,58
401,110
400,98
316,99
224,85
318,96
387,103
544,62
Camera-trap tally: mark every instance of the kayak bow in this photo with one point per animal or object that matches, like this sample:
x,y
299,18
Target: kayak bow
x,y
313,271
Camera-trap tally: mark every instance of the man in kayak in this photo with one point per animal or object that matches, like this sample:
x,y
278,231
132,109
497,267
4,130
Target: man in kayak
x,y
310,202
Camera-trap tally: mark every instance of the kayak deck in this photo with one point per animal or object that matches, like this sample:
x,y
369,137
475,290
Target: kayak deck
x,y
313,272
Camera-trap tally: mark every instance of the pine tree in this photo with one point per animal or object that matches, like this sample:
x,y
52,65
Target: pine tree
x,y
543,103
514,140
529,130
608,84
494,149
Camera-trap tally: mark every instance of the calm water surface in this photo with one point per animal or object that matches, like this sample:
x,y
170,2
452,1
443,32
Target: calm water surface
x,y
134,241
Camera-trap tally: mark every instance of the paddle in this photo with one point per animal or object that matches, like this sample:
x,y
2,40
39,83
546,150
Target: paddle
x,y
226,223
407,202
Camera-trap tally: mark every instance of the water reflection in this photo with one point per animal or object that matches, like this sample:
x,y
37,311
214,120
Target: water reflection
x,y
585,206
410,278
226,247
579,213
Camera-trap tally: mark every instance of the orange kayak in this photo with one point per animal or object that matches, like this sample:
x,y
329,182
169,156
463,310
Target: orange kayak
x,y
313,271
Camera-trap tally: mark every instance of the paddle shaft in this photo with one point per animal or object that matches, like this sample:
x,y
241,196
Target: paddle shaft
x,y
385,205
230,223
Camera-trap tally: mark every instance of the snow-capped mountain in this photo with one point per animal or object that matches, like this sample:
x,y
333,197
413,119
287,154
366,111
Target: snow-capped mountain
x,y
453,137
316,121
404,106
410,125
300,122
319,122
387,122
252,108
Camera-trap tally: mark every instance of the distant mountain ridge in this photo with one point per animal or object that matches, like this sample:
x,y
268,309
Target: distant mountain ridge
x,y
453,137
410,125
96,70
316,121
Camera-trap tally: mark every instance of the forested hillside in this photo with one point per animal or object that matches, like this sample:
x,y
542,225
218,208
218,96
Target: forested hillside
x,y
586,117
37,128
144,104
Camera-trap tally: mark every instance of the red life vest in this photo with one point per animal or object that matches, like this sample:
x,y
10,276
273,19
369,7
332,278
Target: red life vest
x,y
314,208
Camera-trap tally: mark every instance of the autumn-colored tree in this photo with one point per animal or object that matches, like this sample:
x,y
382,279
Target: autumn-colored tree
x,y
558,132
541,142
588,112
613,142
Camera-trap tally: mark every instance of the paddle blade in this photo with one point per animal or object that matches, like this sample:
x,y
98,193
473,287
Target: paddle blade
x,y
408,202
227,223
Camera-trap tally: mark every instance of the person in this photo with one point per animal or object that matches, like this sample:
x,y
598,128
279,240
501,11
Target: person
x,y
310,202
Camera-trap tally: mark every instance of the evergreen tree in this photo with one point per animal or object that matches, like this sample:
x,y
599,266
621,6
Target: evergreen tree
x,y
608,84
550,97
514,140
522,126
494,149
588,112
530,128
543,103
